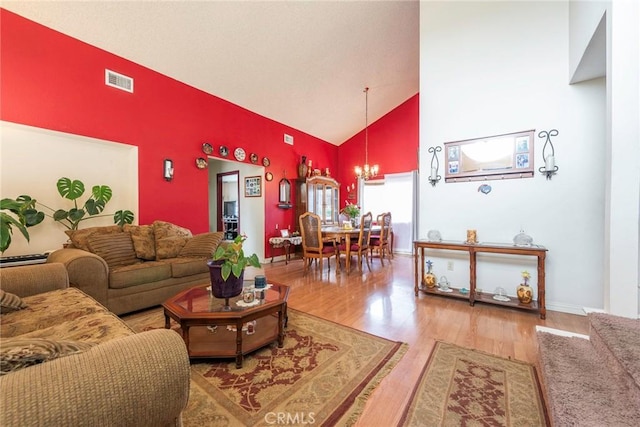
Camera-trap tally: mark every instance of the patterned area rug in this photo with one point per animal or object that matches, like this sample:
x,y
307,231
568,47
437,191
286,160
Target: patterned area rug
x,y
322,376
459,386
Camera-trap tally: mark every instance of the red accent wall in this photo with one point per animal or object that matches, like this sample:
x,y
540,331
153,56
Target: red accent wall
x,y
393,145
53,81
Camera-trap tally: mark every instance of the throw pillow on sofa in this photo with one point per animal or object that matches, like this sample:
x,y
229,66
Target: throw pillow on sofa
x,y
79,237
202,245
116,249
144,241
10,302
169,247
18,353
170,239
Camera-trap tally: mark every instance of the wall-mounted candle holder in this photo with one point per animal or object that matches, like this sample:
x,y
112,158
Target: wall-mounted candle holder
x,y
435,165
549,168
167,169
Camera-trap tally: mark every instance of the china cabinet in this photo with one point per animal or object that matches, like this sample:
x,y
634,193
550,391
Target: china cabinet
x,y
320,195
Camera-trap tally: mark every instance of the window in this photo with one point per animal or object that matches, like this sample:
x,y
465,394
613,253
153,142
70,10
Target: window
x,y
395,194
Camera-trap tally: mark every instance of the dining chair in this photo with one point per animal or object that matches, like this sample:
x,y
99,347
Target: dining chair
x,y
380,243
375,237
313,246
361,247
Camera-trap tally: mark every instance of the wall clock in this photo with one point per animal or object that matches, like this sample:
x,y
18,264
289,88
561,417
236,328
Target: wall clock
x,y
239,154
254,158
266,162
224,151
268,176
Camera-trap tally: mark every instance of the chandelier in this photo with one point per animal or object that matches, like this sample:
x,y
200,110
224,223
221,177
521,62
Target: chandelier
x,y
366,171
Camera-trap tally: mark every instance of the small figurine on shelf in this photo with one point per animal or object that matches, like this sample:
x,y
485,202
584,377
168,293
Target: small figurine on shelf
x,y
429,278
524,291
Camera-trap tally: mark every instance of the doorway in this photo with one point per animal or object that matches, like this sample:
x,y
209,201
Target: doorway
x,y
228,211
250,210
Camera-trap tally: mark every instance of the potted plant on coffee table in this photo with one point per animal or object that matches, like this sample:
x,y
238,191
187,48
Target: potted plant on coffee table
x,y
226,269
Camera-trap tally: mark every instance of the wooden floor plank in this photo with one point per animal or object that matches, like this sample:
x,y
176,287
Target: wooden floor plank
x,y
382,302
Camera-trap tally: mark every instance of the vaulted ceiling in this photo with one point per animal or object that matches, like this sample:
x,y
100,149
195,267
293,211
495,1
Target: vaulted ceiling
x,y
302,63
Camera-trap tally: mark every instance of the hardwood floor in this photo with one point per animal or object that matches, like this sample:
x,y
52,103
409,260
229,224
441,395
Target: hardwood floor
x,y
382,302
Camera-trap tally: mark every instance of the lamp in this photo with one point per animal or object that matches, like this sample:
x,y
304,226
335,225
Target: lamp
x,y
434,177
366,171
168,169
549,168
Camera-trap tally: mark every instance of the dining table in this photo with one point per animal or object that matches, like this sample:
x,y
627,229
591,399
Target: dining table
x,y
339,233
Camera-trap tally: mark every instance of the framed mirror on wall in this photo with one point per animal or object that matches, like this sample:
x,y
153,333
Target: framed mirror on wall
x,y
284,194
504,156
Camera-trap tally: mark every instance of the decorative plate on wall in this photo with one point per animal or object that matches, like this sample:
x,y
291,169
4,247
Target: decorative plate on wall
x,y
224,151
239,154
201,163
266,162
207,148
268,176
254,158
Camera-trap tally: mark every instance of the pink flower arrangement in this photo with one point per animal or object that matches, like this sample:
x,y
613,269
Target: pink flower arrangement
x,y
353,211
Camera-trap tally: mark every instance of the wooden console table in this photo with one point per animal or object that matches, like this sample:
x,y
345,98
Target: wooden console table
x,y
533,250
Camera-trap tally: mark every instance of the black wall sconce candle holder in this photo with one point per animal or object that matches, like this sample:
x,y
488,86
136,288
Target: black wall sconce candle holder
x,y
434,178
549,168
168,169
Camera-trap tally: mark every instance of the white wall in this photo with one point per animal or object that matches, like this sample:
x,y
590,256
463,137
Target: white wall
x,y
489,68
251,209
33,159
584,18
622,231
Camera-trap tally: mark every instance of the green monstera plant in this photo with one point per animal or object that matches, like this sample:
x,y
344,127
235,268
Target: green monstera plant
x,y
20,213
92,207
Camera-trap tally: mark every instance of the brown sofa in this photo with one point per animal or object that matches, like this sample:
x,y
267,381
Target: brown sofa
x,y
136,267
67,361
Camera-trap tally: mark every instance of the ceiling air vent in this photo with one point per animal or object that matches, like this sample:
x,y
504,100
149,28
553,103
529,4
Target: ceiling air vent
x,y
113,79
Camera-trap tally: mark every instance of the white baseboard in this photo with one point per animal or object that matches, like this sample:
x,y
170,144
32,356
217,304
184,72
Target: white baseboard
x,y
566,308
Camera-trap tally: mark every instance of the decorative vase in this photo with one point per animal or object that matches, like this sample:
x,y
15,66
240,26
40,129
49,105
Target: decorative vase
x,y
429,278
221,288
302,168
525,293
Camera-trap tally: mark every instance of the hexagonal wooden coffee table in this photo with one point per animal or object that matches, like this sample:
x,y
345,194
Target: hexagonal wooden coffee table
x,y
210,330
